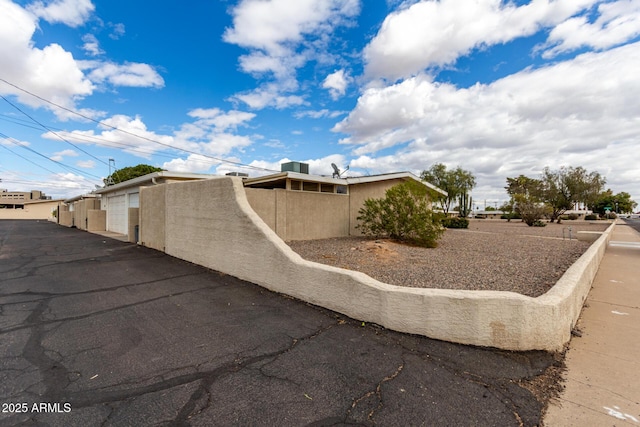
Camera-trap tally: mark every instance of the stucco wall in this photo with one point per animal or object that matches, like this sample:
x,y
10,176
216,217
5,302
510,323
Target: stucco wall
x,y
263,202
301,215
222,232
65,218
97,220
358,193
132,223
40,210
152,216
81,210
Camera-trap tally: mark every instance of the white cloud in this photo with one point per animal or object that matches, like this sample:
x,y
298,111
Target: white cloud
x,y
436,33
51,72
60,155
193,163
282,37
268,96
320,166
128,74
86,164
319,114
337,83
220,120
69,12
211,134
117,31
618,22
581,112
91,45
274,25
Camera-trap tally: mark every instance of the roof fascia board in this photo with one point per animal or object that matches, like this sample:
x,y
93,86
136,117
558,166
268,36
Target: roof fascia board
x,y
148,178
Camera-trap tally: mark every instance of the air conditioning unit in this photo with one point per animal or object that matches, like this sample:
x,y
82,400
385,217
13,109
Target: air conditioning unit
x,y
295,167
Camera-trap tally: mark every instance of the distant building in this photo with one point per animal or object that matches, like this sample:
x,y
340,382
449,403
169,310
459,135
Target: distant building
x,y
17,199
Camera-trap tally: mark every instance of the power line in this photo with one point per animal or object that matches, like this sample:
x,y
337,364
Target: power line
x,y
84,116
50,130
92,139
67,167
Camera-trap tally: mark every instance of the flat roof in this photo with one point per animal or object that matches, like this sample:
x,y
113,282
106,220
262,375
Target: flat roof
x,y
80,197
339,181
135,182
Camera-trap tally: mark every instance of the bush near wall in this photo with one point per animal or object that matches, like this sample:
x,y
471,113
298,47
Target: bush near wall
x,y
591,217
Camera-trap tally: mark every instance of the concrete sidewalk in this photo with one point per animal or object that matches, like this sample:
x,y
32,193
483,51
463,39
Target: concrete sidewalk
x,y
602,381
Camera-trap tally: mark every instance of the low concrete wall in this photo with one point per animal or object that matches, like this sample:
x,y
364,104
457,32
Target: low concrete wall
x,y
589,236
223,233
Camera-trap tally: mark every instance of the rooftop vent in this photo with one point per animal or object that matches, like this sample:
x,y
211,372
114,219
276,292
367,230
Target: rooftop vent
x,y
295,167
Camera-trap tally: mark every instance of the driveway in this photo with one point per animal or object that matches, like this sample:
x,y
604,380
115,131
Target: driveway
x,y
94,331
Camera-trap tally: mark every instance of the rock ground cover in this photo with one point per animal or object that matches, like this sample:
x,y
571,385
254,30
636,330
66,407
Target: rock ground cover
x,y
490,255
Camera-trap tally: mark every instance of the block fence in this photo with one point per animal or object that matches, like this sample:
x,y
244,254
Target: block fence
x,y
211,223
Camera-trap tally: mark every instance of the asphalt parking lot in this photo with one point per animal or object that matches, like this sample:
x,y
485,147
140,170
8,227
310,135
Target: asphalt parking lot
x,y
94,331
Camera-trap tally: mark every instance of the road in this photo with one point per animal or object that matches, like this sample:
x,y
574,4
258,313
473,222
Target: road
x,y
94,331
634,223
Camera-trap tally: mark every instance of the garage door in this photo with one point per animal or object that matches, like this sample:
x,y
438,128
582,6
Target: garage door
x,y
117,214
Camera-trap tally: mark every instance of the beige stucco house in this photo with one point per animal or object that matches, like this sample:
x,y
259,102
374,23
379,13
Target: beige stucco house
x,y
27,205
121,202
300,206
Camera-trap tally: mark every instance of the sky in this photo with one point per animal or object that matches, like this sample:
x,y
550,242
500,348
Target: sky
x,y
499,88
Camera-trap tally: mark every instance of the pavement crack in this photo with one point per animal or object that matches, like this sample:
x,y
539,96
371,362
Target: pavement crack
x,y
55,375
92,397
377,392
27,324
94,291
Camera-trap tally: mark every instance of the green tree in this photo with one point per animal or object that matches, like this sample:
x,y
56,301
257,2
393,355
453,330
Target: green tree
x,y
403,214
525,194
619,203
130,172
530,209
563,188
457,182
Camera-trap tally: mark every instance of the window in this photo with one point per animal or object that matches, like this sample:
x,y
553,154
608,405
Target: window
x,y
326,188
295,185
310,186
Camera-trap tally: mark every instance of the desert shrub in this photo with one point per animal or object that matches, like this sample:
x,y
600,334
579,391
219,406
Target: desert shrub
x,y
455,222
539,223
591,217
572,217
611,215
403,214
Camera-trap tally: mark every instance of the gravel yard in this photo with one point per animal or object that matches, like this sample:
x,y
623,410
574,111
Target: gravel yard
x,y
490,255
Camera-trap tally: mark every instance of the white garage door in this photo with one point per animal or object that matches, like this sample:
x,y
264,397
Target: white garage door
x,y
117,214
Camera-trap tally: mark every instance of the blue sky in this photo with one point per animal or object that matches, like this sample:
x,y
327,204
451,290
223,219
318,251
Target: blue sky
x,y
499,88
